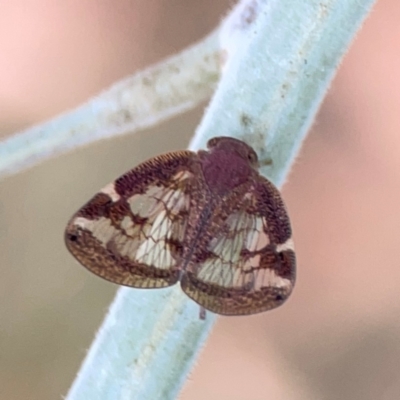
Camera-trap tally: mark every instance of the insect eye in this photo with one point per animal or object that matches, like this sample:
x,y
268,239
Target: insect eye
x,y
213,142
251,157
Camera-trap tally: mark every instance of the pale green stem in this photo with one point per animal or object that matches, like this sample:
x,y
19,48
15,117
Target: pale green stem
x,y
143,100
280,57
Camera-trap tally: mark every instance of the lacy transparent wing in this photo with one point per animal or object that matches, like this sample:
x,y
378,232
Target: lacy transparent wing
x,y
131,232
249,265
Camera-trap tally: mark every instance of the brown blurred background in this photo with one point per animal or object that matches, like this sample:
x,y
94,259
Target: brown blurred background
x,y
338,337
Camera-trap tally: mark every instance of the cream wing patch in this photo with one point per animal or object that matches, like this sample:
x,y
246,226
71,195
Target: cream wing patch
x,y
162,208
154,248
110,237
230,268
110,191
288,245
145,242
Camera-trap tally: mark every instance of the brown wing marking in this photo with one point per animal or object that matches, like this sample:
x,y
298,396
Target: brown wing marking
x,y
250,264
131,232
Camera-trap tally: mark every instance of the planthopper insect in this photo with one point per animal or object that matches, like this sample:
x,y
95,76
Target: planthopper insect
x,y
205,219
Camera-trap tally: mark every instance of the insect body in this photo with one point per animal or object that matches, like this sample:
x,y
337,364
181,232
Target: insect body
x,y
208,220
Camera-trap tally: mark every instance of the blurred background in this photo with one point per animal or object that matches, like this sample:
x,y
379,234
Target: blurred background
x,y
338,337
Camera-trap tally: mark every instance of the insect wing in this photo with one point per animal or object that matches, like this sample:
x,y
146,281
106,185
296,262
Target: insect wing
x,y
250,266
131,232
